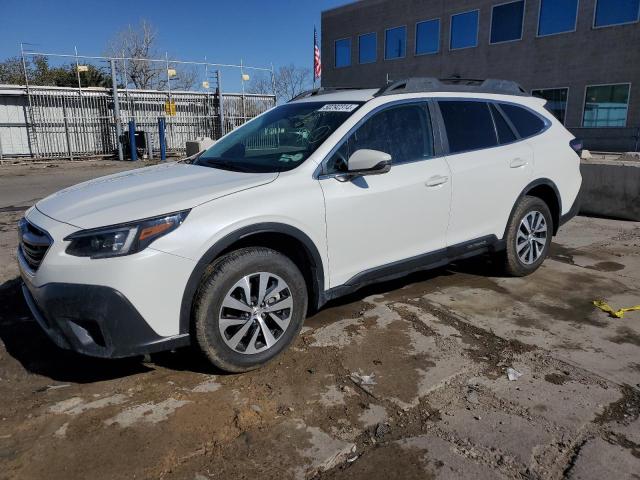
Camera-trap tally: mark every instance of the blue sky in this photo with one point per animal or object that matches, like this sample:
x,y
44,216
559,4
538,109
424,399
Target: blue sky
x,y
260,32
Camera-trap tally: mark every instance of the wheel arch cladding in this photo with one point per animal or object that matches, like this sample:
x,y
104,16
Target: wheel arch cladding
x,y
288,240
547,191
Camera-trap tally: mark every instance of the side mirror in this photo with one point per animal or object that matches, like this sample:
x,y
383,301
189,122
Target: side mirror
x,y
368,162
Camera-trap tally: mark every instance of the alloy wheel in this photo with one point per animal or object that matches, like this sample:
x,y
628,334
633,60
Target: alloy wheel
x,y
255,313
532,237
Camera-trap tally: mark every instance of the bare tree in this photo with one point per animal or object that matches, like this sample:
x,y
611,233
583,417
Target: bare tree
x,y
261,84
139,44
186,78
289,82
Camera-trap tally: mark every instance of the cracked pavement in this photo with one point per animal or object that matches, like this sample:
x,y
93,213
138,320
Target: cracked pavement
x,y
405,379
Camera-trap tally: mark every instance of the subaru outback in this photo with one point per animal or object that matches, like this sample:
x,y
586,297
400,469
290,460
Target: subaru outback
x,y
311,200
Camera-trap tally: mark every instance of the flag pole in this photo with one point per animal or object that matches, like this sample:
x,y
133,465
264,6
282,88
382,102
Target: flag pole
x,y
313,63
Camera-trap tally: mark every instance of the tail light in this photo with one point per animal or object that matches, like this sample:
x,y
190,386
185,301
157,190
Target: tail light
x,y
577,145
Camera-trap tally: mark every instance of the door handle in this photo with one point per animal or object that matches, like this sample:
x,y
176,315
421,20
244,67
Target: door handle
x,y
518,162
437,180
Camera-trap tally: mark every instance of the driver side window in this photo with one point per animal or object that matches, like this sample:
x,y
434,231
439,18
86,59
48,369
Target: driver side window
x,y
402,131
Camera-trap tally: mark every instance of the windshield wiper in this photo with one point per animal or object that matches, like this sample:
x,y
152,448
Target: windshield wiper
x,y
223,164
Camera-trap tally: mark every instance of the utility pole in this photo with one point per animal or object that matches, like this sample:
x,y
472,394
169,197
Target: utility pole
x,y
273,85
244,108
220,103
33,137
116,109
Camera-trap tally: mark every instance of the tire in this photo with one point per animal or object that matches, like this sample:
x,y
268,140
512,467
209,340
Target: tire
x,y
525,252
250,335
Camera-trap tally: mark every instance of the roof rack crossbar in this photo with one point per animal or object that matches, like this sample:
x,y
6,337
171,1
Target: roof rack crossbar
x,y
432,84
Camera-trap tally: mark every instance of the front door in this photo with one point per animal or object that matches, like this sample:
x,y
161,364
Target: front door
x,y
376,220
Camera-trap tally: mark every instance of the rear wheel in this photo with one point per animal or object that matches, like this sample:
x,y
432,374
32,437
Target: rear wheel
x,y
249,308
528,237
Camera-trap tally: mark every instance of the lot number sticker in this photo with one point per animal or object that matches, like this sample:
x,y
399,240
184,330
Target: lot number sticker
x,y
339,107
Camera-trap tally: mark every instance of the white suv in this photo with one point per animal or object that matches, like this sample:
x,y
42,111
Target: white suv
x,y
309,201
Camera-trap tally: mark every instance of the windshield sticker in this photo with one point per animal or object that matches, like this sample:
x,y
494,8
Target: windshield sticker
x,y
339,107
291,158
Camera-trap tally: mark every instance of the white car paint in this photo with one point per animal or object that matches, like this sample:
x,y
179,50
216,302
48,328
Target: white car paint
x,y
144,193
371,221
416,208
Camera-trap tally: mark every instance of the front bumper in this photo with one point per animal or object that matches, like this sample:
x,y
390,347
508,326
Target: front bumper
x,y
116,307
94,320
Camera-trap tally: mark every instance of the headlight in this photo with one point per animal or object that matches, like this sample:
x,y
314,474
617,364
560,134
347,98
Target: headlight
x,y
124,239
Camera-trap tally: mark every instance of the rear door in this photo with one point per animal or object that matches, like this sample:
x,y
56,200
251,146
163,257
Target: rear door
x,y
489,168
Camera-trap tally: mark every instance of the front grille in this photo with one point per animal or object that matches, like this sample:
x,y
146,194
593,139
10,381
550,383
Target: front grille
x,y
34,243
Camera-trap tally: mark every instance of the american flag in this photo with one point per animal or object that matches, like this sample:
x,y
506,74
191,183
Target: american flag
x,y
317,64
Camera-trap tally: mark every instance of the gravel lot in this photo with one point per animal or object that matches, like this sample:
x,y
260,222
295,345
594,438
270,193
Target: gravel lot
x,y
406,379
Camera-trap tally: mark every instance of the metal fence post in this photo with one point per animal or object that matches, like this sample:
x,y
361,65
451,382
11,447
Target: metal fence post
x,y
168,120
220,104
66,128
163,145
147,142
83,140
116,109
132,140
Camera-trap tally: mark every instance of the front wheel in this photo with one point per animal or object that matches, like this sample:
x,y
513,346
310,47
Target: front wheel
x,y
249,308
528,237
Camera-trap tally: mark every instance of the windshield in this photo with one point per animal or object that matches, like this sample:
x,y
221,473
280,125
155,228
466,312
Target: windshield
x,y
279,140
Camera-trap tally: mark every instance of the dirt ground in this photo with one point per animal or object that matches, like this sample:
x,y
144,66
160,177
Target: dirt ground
x,y
407,379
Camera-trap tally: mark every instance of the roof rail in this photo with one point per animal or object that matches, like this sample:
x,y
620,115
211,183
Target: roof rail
x,y
321,91
431,84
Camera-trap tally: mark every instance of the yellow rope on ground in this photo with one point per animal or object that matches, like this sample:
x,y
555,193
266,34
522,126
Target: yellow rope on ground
x,y
614,313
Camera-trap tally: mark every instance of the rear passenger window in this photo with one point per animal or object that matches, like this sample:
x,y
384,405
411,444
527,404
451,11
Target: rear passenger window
x,y
468,124
527,124
505,134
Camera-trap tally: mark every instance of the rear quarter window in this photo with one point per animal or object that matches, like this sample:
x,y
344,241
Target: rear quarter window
x,y
526,123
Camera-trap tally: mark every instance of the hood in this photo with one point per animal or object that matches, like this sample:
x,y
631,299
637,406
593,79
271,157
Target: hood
x,y
145,192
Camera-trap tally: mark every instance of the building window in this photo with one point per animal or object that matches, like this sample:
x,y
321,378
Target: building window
x,y
606,106
556,101
506,22
367,45
395,43
557,16
616,12
428,37
343,53
464,30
